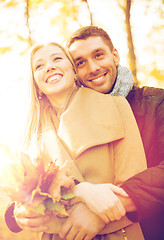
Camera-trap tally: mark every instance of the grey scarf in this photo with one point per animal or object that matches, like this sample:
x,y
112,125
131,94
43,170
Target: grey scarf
x,y
124,82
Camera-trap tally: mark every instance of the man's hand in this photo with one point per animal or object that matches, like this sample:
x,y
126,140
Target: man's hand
x,y
82,224
102,200
127,203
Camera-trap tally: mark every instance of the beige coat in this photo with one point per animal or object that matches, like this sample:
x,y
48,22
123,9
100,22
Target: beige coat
x,y
99,136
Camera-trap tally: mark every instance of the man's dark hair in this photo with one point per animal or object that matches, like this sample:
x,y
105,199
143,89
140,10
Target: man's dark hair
x,y
90,31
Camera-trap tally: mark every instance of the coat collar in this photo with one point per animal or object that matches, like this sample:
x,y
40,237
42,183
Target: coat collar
x,y
91,119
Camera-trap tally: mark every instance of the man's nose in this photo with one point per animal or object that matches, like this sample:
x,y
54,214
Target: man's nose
x,y
93,66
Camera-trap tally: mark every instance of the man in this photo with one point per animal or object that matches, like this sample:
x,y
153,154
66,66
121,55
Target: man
x,y
97,63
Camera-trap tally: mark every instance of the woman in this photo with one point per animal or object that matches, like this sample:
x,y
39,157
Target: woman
x,y
96,133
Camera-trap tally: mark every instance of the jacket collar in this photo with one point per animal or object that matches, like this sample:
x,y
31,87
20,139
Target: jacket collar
x,y
91,119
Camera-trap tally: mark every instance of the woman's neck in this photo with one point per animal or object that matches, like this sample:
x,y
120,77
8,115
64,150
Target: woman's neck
x,y
61,100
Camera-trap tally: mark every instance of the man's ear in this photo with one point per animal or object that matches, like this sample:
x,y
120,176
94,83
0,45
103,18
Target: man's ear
x,y
116,56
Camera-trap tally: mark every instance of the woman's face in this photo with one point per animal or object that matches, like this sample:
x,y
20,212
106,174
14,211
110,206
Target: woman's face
x,y
53,71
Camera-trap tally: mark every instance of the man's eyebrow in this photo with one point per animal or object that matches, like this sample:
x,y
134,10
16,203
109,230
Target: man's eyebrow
x,y
77,59
97,50
93,52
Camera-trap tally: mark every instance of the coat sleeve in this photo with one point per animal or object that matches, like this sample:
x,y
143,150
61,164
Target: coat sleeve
x,y
10,220
129,153
160,130
147,191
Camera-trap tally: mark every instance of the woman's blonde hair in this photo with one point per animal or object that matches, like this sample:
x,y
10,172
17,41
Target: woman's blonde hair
x,y
36,115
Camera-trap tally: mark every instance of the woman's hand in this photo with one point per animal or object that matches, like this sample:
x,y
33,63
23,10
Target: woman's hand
x,y
81,224
54,224
36,222
102,200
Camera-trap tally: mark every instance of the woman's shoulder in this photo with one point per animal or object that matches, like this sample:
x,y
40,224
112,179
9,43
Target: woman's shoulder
x,y
91,96
88,92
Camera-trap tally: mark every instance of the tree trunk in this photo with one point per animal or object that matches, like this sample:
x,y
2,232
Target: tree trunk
x,y
132,57
91,18
126,7
27,22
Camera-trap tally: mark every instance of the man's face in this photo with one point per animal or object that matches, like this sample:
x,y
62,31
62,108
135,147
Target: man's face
x,y
96,64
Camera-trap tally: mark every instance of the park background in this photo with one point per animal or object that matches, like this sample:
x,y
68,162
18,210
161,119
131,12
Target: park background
x,y
136,28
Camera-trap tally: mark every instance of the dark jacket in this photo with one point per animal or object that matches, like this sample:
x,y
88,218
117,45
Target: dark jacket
x,y
147,188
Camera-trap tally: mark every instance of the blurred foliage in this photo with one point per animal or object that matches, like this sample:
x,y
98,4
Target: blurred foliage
x,y
57,19
3,50
26,22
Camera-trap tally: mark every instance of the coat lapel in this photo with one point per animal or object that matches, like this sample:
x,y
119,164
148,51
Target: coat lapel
x,y
91,119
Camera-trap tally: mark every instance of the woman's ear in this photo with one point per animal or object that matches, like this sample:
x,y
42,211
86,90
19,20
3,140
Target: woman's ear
x,y
116,56
78,84
40,93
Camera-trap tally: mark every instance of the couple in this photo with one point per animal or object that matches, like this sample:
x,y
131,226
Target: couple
x,y
109,140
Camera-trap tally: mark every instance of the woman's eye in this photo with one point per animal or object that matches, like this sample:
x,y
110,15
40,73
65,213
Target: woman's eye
x,y
57,59
38,67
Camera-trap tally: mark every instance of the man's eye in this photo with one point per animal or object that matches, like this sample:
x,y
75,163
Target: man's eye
x,y
99,55
80,64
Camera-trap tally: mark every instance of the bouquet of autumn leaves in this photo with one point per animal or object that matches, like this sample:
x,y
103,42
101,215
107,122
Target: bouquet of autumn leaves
x,y
38,187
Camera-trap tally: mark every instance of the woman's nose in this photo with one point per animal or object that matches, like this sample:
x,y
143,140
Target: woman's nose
x,y
50,67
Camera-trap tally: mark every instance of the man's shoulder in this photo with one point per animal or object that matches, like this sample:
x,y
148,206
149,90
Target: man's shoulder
x,y
146,93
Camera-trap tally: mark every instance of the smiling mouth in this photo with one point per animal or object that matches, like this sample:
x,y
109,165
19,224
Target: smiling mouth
x,y
98,79
54,78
